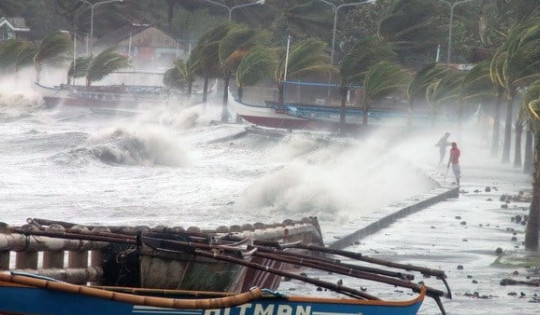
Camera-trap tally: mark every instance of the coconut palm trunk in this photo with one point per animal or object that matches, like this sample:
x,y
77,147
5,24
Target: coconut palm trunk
x,y
496,126
529,151
224,109
531,234
508,130
205,89
517,144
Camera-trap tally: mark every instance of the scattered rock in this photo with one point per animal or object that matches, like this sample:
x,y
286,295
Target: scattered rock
x,y
498,251
475,281
463,223
504,206
458,217
487,189
460,267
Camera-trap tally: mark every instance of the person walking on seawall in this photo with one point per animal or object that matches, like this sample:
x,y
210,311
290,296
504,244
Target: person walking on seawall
x,y
442,144
454,160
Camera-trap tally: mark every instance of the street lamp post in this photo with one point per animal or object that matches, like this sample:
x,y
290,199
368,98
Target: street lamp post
x,y
336,10
230,9
452,6
92,5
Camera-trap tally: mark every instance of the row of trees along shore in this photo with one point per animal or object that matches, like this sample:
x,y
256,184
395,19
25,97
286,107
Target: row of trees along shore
x,y
385,46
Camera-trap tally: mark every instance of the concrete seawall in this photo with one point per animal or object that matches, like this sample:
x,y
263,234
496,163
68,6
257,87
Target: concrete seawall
x,y
411,206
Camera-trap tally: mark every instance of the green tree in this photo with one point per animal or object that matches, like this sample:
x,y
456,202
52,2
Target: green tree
x,y
54,50
444,93
79,68
182,76
418,88
413,27
354,65
514,66
306,57
232,48
206,54
382,79
478,87
105,63
532,231
16,53
256,65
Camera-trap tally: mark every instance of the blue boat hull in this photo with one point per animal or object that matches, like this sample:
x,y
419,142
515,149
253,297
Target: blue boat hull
x,y
16,298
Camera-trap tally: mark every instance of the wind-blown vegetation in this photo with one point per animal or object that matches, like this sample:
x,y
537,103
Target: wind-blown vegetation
x,y
390,47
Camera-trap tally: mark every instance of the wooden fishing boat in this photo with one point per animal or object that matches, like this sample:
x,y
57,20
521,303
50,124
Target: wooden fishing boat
x,y
121,256
104,97
316,117
24,294
141,271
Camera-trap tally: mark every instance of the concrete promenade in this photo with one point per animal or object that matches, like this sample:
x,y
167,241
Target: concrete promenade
x,y
476,238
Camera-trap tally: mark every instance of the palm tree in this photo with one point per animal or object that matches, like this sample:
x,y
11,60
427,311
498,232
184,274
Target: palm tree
x,y
232,48
532,93
356,63
182,76
412,27
514,65
426,78
478,87
446,91
53,50
16,53
382,79
206,54
532,231
256,65
104,64
306,57
79,68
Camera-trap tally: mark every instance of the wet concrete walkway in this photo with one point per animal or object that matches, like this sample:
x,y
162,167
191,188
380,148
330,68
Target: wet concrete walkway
x,y
463,236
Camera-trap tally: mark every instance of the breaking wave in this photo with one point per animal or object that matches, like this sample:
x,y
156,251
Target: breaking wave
x,y
146,147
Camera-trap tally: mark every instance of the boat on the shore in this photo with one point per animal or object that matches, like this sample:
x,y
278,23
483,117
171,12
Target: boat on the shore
x,y
26,294
317,117
121,270
104,96
129,256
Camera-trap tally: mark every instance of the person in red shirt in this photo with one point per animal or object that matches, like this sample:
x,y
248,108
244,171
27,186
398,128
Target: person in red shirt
x,y
454,160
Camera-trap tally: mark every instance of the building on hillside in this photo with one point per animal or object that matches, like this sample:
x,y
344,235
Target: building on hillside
x,y
13,27
148,47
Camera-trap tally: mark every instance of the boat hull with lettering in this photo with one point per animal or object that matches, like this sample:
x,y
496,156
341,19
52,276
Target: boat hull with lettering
x,y
24,294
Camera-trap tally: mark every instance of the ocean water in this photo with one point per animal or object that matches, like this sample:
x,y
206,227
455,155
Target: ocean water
x,y
175,164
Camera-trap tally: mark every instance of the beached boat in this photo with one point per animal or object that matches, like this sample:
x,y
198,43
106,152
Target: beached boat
x,y
24,294
141,271
127,256
104,97
120,97
316,117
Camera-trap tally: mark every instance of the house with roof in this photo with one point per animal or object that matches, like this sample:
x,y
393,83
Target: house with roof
x,y
13,27
148,47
